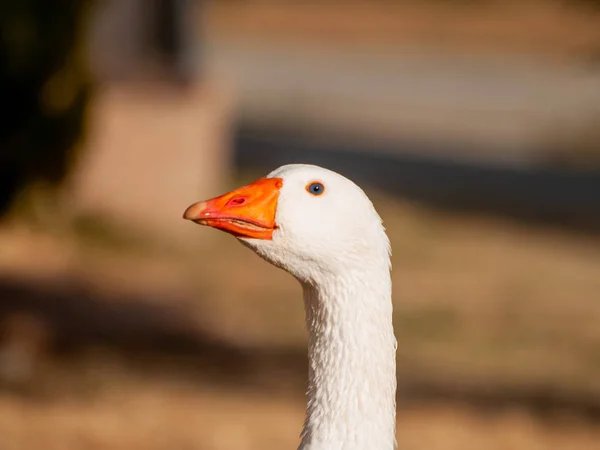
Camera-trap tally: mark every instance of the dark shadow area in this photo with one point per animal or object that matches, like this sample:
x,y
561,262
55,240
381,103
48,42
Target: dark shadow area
x,y
564,198
163,341
45,87
79,318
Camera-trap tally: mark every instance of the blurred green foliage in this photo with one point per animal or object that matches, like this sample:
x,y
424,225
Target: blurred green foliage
x,y
45,87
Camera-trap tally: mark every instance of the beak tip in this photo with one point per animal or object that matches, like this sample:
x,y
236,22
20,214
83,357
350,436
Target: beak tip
x,y
193,212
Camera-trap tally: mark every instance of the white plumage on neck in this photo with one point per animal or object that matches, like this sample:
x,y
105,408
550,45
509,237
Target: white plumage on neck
x,y
352,368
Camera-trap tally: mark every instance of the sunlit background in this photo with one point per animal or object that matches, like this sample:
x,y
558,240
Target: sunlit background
x,y
473,125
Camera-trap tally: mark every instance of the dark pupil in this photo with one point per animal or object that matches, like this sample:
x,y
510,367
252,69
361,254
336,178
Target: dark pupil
x,y
315,188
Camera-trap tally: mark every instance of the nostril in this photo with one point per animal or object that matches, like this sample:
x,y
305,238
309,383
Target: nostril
x,y
236,201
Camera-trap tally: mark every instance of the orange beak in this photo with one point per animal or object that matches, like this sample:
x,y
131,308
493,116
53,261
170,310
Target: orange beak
x,y
245,212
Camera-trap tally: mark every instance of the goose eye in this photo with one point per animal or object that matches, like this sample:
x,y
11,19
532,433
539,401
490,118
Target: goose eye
x,y
315,188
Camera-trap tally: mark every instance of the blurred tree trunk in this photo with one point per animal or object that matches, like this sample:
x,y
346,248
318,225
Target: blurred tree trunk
x,y
45,88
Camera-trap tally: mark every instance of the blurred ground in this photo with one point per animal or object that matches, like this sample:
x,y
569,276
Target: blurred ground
x,y
153,416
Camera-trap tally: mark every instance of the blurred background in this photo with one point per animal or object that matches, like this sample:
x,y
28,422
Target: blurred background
x,y
473,125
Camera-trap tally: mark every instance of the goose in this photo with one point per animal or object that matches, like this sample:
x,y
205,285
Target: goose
x,y
322,229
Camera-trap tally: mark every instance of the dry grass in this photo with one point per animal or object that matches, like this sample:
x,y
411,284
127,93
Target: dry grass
x,y
141,413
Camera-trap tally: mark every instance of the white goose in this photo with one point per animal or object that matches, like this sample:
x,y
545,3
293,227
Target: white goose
x,y
322,229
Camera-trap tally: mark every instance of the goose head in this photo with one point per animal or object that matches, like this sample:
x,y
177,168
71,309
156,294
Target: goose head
x,y
310,221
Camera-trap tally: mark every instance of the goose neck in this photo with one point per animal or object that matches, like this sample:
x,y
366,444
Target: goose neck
x,y
352,364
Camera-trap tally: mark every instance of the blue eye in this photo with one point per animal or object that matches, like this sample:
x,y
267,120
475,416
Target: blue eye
x,y
315,188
